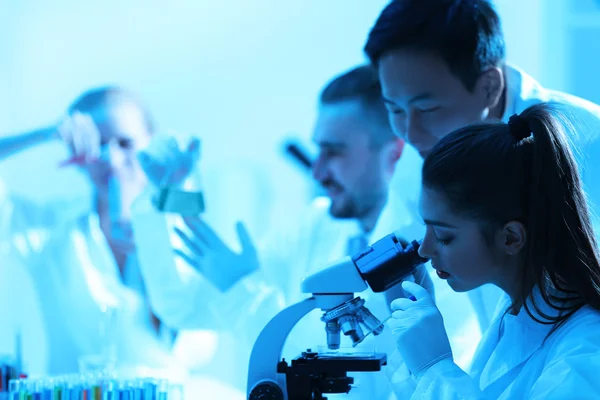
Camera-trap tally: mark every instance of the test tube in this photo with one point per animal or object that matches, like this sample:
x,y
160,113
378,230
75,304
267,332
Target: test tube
x,y
58,389
14,389
4,377
137,389
124,392
96,391
34,391
45,389
163,389
150,389
73,388
109,389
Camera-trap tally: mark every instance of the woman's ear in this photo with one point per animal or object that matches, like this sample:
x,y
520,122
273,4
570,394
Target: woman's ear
x,y
512,237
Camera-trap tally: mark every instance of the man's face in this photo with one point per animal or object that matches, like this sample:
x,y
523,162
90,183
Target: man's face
x,y
349,167
123,132
424,99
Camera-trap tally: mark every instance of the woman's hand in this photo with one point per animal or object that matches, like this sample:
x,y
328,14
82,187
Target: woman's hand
x,y
419,331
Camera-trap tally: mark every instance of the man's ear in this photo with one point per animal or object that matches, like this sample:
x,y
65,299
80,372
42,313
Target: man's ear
x,y
397,149
489,86
393,151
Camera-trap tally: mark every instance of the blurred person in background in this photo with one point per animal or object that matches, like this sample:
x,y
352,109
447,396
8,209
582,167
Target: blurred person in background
x,y
81,257
242,290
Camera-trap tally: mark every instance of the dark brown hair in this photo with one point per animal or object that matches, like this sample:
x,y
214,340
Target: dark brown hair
x,y
487,173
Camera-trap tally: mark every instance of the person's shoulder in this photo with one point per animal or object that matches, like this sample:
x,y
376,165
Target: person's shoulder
x,y
578,111
526,92
585,317
580,332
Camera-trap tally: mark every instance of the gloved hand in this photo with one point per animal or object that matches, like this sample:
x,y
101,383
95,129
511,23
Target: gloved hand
x,y
419,331
81,135
165,163
212,258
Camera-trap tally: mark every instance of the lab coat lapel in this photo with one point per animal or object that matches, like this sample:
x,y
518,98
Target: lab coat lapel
x,y
521,337
487,346
522,91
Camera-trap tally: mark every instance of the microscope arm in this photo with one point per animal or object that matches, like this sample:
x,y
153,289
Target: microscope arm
x,y
267,349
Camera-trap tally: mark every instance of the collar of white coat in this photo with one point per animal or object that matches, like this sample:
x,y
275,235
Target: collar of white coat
x,y
522,91
512,339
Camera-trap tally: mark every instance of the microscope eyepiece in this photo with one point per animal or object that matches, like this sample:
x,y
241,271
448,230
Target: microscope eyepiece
x,y
387,262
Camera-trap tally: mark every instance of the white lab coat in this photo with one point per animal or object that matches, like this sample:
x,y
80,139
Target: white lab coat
x,y
522,92
77,285
514,362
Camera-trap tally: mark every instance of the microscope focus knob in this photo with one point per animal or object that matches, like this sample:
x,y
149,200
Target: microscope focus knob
x,y
266,390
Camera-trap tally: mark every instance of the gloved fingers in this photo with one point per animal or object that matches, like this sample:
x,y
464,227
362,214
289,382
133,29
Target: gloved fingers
x,y
409,315
416,290
76,139
205,232
172,145
161,146
64,129
190,260
92,139
402,304
402,321
151,168
168,170
196,246
193,148
394,324
245,239
85,137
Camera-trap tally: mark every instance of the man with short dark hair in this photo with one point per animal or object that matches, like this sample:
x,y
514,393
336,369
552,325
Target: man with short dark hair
x,y
442,66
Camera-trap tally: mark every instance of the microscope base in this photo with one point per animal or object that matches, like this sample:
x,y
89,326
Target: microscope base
x,y
312,375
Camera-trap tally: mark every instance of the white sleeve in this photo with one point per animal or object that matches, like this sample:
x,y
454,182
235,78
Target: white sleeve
x,y
181,296
586,149
445,380
591,182
571,368
573,365
19,213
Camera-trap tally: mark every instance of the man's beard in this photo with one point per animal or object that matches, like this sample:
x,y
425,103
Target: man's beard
x,y
345,209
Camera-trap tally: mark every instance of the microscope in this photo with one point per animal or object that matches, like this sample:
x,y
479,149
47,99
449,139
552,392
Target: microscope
x,y
311,375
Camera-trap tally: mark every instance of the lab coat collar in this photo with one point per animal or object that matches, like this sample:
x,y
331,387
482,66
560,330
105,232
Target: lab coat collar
x,y
512,340
522,91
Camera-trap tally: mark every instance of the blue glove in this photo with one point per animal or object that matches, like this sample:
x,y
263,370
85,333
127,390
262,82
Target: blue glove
x,y
165,163
418,329
204,250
